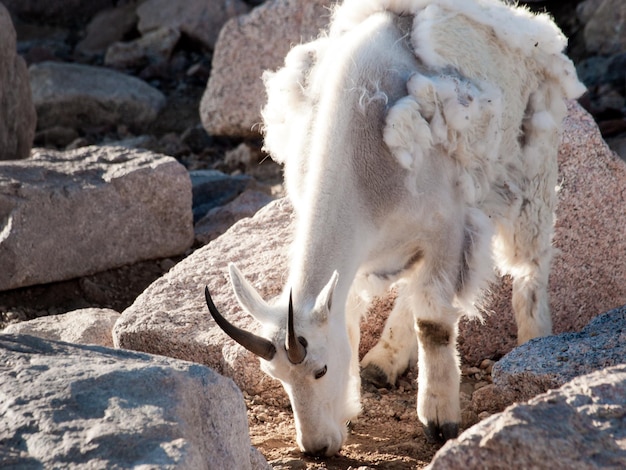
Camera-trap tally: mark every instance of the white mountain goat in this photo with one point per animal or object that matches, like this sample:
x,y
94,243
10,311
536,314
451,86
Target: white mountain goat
x,y
419,139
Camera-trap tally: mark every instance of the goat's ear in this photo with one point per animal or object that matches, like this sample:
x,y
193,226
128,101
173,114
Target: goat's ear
x,y
324,300
248,297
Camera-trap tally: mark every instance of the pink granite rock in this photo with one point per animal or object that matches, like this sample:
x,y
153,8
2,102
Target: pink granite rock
x,y
247,46
588,274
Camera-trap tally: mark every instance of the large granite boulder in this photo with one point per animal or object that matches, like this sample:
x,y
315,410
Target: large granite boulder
x,y
588,273
580,426
170,316
247,46
69,214
17,112
69,406
81,96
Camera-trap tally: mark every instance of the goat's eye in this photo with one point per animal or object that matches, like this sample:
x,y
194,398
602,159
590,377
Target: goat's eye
x,y
321,373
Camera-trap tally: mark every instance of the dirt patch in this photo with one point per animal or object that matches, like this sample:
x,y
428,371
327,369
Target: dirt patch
x,y
387,434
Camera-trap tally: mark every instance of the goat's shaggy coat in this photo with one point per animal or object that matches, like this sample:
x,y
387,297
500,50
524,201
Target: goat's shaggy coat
x,y
419,139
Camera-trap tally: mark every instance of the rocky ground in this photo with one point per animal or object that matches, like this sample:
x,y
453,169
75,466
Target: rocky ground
x,y
387,434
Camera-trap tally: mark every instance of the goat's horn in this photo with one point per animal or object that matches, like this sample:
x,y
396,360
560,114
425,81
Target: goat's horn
x,y
253,343
296,351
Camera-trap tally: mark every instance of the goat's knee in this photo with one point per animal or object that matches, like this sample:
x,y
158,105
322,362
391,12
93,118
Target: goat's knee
x,y
438,402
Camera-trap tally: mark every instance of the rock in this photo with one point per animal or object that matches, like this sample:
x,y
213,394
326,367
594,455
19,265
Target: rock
x,y
108,27
67,406
69,214
80,96
17,112
552,361
246,47
218,220
66,13
546,363
85,326
171,318
212,188
166,319
201,20
579,426
154,46
604,30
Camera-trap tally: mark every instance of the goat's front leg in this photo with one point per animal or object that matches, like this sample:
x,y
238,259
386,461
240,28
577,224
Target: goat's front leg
x,y
438,406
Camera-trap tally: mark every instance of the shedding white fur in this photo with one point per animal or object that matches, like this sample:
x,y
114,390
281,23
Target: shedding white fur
x,y
419,139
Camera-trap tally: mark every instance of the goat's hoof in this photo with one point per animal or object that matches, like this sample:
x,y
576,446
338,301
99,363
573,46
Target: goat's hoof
x,y
375,376
439,434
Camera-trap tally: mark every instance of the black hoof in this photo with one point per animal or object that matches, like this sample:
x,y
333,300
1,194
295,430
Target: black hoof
x,y
439,434
374,375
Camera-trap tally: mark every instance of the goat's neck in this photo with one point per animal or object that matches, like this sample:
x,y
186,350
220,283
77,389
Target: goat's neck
x,y
330,234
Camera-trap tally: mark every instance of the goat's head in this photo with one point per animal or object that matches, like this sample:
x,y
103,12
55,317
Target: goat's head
x,y
309,352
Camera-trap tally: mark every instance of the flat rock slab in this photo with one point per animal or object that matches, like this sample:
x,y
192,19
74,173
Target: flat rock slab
x,y
580,426
83,326
69,214
67,406
589,276
80,96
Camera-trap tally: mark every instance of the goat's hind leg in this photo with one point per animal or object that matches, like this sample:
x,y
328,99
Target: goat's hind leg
x,y
396,350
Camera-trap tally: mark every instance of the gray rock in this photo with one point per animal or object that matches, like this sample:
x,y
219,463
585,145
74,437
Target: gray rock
x,y
84,326
212,188
547,363
554,360
17,112
64,215
80,96
604,32
246,47
218,220
154,46
108,27
67,406
582,425
198,19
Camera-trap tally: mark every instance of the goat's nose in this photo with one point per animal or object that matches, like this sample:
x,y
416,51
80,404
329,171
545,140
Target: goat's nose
x,y
317,453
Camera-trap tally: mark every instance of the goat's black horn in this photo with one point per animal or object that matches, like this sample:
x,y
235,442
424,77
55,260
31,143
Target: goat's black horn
x,y
253,343
296,351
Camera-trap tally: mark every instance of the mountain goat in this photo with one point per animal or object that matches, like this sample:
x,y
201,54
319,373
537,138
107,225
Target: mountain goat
x,y
419,139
